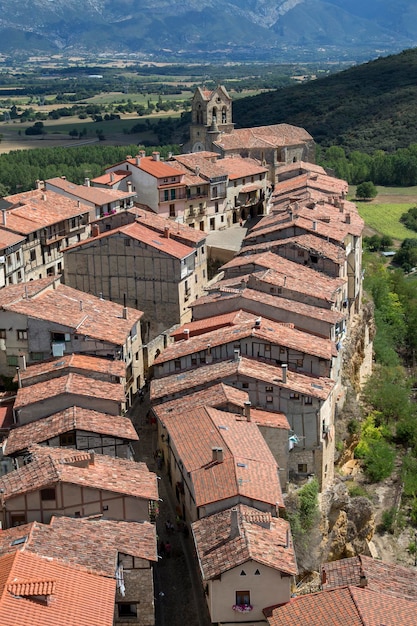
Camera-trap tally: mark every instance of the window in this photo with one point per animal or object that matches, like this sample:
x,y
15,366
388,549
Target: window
x,y
173,194
269,389
216,207
12,360
73,223
294,396
18,256
308,400
127,610
172,210
59,337
36,356
242,597
48,494
313,258
33,255
269,399
245,385
302,468
166,194
67,439
177,364
17,519
215,192
300,253
127,243
199,191
22,334
2,333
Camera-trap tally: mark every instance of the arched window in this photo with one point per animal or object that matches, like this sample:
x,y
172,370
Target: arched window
x,y
224,115
214,114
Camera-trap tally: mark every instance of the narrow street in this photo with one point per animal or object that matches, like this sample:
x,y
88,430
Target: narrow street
x,y
179,598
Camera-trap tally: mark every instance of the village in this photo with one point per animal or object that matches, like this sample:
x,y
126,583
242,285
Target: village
x,y
110,319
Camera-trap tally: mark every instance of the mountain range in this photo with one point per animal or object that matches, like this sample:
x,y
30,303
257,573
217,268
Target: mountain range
x,y
214,30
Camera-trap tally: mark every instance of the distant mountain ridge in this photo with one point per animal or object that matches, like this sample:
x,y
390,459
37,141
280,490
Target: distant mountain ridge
x,y
255,29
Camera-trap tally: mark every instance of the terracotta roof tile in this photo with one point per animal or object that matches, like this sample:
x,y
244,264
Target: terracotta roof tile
x,y
75,384
381,577
245,298
95,195
263,136
86,314
37,209
75,597
274,333
308,242
208,168
8,239
73,362
180,232
229,371
213,395
200,327
158,169
74,418
351,605
269,419
62,538
280,271
261,538
111,178
54,465
248,470
239,167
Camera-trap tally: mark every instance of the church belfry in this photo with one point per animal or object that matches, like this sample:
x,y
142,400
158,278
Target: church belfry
x,y
211,115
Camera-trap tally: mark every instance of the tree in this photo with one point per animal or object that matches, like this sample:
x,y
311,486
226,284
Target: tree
x,y
366,190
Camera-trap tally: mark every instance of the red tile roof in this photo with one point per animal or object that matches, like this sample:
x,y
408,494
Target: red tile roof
x,y
200,327
348,605
261,538
180,232
112,178
239,167
269,419
247,298
37,209
275,135
95,195
273,333
308,242
69,384
76,362
213,395
158,169
248,469
231,370
62,538
74,596
86,314
381,577
8,239
51,466
74,418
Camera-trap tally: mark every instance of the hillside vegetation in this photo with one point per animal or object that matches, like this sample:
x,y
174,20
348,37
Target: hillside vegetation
x,y
367,107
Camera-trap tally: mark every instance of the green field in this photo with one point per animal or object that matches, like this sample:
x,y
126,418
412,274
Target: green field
x,y
385,218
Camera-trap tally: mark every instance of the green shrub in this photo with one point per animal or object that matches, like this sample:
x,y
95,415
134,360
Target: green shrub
x,y
409,476
413,513
379,460
357,491
388,521
353,426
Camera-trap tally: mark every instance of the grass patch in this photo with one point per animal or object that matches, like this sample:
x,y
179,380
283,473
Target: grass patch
x,y
385,218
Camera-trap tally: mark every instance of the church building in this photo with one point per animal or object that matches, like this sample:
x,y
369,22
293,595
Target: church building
x,y
212,129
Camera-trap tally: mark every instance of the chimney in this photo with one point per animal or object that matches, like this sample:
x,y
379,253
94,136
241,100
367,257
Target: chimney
x,y
63,177
81,305
38,184
91,459
363,581
4,215
347,218
155,156
287,538
186,332
166,232
124,307
137,159
341,206
129,186
314,225
258,322
323,576
44,197
78,204
217,455
87,182
234,523
246,410
19,378
111,177
95,231
284,373
197,170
